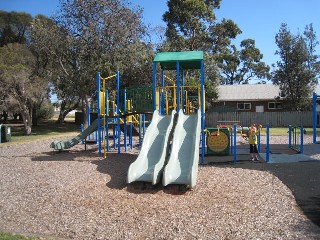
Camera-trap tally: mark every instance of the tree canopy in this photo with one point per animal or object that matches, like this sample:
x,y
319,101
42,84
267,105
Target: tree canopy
x,y
297,71
64,52
91,36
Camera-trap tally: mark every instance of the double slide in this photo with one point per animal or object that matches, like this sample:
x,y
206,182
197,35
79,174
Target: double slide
x,y
176,162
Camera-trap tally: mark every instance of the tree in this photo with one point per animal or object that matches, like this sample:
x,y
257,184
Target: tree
x,y
192,25
241,66
296,72
22,88
51,45
96,35
188,22
14,27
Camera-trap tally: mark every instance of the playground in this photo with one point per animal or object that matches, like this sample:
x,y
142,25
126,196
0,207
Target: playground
x,y
175,179
76,194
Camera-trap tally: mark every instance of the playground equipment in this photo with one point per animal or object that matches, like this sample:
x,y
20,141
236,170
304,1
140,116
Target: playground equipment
x,y
220,139
181,167
296,138
115,110
68,143
166,97
109,115
315,117
154,150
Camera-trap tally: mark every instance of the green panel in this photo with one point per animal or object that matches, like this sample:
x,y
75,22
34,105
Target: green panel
x,y
218,142
141,98
188,60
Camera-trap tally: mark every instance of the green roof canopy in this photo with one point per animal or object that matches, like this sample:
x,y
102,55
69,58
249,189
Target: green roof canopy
x,y
187,60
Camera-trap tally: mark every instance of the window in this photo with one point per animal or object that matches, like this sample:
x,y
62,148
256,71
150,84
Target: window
x,y
243,106
275,105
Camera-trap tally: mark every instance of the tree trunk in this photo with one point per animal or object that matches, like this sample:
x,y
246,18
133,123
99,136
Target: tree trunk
x,y
27,123
64,110
34,117
85,104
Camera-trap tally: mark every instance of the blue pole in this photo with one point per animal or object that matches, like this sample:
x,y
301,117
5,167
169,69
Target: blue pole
x,y
89,119
259,137
231,140
114,136
234,143
131,135
290,136
140,130
268,144
182,89
314,100
125,121
301,140
154,72
178,84
203,122
98,109
162,100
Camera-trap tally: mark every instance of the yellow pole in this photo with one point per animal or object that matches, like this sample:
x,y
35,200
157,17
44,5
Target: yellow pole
x,y
106,78
187,105
129,118
157,99
104,119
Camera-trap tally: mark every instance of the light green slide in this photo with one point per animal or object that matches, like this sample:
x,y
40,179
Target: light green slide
x,y
66,144
182,167
149,165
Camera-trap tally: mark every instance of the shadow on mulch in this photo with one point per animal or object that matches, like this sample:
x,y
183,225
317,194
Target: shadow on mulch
x,y
302,178
116,166
66,155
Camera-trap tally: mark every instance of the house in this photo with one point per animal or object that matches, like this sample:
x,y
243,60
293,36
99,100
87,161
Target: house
x,y
251,98
248,98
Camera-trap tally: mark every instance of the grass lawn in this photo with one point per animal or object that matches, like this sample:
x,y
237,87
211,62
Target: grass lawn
x,y
44,130
10,236
281,131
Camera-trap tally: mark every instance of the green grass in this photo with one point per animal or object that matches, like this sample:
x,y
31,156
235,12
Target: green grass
x,y
11,236
284,131
44,130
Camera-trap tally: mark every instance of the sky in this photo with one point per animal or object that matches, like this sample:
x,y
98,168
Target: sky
x,y
258,19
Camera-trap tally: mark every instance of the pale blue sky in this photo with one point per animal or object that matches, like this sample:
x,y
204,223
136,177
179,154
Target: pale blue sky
x,y
257,19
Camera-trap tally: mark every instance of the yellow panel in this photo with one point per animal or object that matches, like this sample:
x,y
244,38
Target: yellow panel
x,y
157,99
102,103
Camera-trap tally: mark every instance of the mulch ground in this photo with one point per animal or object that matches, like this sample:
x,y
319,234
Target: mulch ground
x,y
302,178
